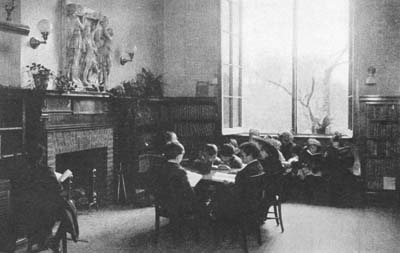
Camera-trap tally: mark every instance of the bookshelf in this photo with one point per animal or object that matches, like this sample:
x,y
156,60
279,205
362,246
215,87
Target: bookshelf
x,y
141,121
193,119
380,144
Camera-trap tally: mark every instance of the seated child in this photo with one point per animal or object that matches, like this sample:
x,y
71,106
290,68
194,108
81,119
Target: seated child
x,y
311,160
208,159
238,200
170,136
253,134
173,190
229,159
235,145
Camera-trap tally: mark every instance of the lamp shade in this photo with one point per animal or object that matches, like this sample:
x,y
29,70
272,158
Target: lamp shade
x,y
44,26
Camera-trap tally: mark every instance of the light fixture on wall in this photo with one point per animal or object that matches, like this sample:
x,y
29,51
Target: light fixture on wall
x,y
131,54
9,8
44,27
371,79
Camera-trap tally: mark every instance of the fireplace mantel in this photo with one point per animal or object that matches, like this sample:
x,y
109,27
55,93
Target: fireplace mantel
x,y
76,110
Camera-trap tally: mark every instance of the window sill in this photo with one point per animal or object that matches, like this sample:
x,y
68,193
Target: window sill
x,y
316,136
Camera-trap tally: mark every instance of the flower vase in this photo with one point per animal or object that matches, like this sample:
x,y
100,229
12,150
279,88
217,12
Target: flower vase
x,y
41,81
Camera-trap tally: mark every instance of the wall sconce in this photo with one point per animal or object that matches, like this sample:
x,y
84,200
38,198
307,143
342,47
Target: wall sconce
x,y
123,60
371,79
44,27
9,8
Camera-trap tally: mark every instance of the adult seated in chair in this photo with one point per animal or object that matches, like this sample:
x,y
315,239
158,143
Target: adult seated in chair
x,y
36,201
172,189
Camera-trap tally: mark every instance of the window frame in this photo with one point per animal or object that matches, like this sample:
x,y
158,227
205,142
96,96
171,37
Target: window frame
x,y
244,130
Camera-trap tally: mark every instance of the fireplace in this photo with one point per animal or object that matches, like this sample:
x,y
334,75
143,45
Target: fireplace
x,y
79,134
89,169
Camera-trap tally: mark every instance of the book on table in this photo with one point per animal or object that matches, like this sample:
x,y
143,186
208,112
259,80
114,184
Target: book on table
x,y
222,177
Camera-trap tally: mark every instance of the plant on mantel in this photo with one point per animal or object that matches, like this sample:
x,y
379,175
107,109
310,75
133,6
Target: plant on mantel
x,y
40,74
63,83
145,85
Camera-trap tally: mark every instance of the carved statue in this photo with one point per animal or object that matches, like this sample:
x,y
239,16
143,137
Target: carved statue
x,y
88,48
90,65
74,45
103,40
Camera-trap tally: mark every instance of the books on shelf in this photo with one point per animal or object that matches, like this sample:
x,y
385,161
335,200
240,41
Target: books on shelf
x,y
193,111
383,112
187,129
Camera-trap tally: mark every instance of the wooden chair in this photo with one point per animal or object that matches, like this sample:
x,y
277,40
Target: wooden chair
x,y
160,211
68,195
272,187
249,215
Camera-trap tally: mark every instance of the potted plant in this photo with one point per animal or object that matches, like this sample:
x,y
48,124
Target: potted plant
x,y
146,85
40,74
63,84
152,84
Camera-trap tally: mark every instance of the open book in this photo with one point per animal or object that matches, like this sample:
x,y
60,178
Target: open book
x,y
314,154
193,178
220,177
62,177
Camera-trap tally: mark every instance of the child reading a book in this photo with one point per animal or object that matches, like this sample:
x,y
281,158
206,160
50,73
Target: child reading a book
x,y
229,159
207,159
311,161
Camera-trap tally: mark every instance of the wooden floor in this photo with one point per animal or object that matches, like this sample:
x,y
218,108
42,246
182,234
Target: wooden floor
x,y
307,229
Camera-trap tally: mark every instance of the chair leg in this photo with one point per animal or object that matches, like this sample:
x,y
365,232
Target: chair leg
x,y
259,235
244,237
64,243
29,246
280,216
157,225
276,214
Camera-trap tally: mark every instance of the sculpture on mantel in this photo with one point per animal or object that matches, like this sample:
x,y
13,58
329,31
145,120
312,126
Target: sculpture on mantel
x,y
103,39
88,48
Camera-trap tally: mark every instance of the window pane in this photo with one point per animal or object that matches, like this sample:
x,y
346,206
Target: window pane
x,y
225,15
225,80
226,111
267,65
225,48
236,112
323,28
235,50
235,19
235,81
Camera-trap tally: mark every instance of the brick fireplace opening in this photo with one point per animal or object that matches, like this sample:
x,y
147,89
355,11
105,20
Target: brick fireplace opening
x,y
82,164
81,151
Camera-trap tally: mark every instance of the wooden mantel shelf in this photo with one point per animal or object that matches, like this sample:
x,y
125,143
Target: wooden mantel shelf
x,y
82,94
14,28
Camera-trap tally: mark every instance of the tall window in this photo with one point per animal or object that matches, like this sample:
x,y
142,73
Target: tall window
x,y
231,63
294,65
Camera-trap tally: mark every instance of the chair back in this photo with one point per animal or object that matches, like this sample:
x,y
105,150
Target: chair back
x,y
273,184
253,194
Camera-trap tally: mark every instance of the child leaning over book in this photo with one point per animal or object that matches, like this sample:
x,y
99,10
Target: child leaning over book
x,y
207,159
